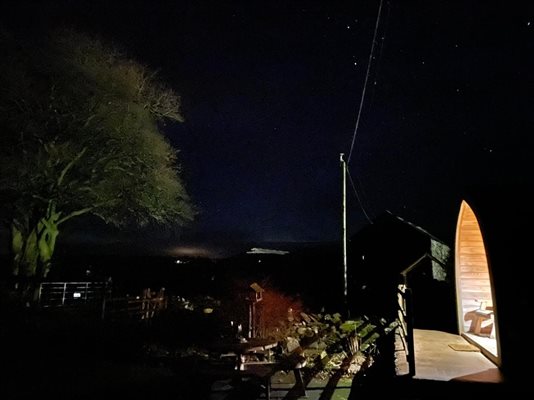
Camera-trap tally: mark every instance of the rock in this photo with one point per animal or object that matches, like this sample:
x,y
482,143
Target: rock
x,y
292,344
302,330
306,317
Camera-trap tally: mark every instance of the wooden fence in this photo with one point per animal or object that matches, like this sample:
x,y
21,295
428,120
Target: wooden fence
x,y
143,307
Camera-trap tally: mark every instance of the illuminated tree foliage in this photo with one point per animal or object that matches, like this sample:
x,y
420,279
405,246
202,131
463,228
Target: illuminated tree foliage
x,y
80,134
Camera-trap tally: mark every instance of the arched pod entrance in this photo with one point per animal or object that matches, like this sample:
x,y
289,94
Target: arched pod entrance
x,y
477,312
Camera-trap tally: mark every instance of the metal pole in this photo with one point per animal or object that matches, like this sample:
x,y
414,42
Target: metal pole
x,y
344,227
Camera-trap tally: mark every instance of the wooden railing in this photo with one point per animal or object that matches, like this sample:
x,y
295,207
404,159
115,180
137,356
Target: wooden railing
x,y
405,329
143,307
405,310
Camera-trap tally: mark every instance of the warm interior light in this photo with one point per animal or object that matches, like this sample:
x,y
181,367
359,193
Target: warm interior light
x,y
476,317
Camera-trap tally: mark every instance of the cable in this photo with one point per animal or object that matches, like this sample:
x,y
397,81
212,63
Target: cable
x,y
358,196
384,21
365,82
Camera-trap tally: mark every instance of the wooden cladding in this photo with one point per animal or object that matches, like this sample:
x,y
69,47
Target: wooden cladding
x,y
472,274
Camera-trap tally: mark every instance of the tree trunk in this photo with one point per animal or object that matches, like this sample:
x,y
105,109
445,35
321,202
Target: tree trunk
x,y
33,248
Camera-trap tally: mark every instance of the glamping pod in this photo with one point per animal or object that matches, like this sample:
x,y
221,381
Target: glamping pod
x,y
494,275
474,287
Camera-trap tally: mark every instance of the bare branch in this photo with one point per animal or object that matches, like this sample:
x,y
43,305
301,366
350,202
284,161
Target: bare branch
x,y
70,165
83,211
75,214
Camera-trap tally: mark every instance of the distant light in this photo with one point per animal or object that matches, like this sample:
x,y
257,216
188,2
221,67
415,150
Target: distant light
x,y
363,256
257,250
179,262
76,295
207,310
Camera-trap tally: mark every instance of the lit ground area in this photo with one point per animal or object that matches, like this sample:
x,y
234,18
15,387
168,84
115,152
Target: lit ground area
x,y
443,356
490,344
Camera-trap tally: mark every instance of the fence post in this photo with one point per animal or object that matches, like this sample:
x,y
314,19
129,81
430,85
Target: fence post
x,y
105,291
39,293
103,311
64,293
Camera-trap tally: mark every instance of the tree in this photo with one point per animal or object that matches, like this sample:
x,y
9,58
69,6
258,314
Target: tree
x,y
80,134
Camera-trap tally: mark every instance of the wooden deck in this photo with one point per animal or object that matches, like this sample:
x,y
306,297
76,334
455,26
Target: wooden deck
x,y
436,360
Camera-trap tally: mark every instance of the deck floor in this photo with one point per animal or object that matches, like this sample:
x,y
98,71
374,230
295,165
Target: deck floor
x,y
436,360
490,344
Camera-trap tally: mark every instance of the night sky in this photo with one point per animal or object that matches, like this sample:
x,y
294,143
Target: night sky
x,y
271,92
